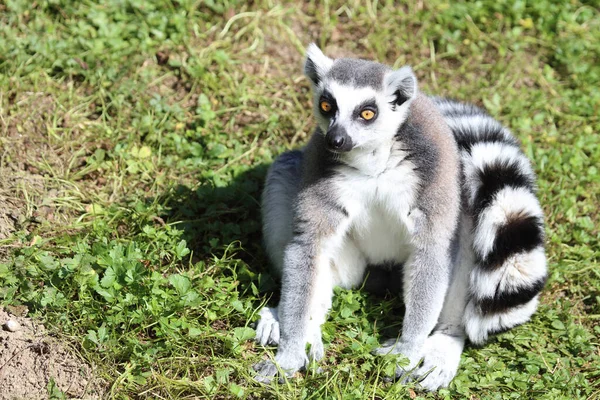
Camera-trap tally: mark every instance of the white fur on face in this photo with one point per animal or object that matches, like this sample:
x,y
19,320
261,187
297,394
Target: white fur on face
x,y
364,135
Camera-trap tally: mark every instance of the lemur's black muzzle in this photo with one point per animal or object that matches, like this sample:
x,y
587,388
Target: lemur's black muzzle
x,y
337,139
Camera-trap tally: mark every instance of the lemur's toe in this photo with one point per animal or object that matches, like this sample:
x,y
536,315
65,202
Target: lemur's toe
x,y
267,327
265,371
391,342
383,350
440,361
390,346
432,379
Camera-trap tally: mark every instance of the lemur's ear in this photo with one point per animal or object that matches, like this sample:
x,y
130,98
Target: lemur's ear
x,y
317,64
401,85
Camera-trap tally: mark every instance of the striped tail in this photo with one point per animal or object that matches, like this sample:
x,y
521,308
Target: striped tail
x,y
508,232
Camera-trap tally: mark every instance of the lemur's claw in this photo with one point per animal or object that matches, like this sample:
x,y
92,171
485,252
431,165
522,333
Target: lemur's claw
x,y
267,370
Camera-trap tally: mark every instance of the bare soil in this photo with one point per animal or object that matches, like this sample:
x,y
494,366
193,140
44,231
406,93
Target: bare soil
x,y
10,215
30,359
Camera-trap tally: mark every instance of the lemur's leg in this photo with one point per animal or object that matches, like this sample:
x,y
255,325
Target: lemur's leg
x,y
426,278
281,188
443,348
268,328
319,230
279,197
306,294
347,269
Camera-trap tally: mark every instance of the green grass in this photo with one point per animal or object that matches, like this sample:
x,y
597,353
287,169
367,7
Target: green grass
x,y
135,136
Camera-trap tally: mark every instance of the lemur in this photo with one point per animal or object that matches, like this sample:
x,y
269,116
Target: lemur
x,y
435,192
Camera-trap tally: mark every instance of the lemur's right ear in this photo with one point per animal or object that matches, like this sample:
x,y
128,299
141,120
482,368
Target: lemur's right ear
x,y
317,64
401,85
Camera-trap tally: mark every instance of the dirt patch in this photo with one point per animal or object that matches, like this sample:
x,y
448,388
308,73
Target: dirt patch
x,y
43,141
30,359
10,216
22,148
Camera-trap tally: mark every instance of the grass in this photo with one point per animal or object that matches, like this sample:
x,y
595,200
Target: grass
x,y
135,136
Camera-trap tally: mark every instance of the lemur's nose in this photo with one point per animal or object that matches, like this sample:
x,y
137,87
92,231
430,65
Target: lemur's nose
x,y
338,140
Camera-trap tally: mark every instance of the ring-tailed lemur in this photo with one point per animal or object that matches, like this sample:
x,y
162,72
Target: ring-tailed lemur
x,y
432,186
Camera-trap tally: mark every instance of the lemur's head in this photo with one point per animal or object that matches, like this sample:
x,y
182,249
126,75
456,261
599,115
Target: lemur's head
x,y
358,103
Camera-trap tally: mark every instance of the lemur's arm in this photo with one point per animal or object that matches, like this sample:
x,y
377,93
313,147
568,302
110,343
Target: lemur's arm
x,y
319,224
426,278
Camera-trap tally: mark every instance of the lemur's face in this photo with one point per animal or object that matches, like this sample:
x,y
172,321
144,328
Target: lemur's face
x,y
358,104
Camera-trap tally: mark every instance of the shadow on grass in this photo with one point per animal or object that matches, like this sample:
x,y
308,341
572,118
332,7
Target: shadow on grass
x,y
225,222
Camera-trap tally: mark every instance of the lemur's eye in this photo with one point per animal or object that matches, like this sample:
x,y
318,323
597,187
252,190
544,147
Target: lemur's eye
x,y
367,115
326,106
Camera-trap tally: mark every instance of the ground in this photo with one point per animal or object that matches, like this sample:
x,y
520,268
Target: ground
x,y
33,365
134,138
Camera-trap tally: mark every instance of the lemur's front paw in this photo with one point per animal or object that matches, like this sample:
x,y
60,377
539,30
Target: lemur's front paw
x,y
288,365
394,346
440,361
265,371
267,327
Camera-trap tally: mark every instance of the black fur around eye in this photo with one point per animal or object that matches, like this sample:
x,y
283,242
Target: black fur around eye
x,y
366,111
327,104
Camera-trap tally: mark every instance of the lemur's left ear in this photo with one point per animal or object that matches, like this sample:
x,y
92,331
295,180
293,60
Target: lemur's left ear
x,y
317,64
401,85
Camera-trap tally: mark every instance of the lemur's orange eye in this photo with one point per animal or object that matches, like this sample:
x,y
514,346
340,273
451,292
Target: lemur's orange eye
x,y
367,114
325,106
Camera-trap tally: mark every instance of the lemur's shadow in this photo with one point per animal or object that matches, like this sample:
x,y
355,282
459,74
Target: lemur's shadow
x,y
224,221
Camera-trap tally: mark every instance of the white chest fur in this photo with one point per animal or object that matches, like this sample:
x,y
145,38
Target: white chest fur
x,y
379,208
